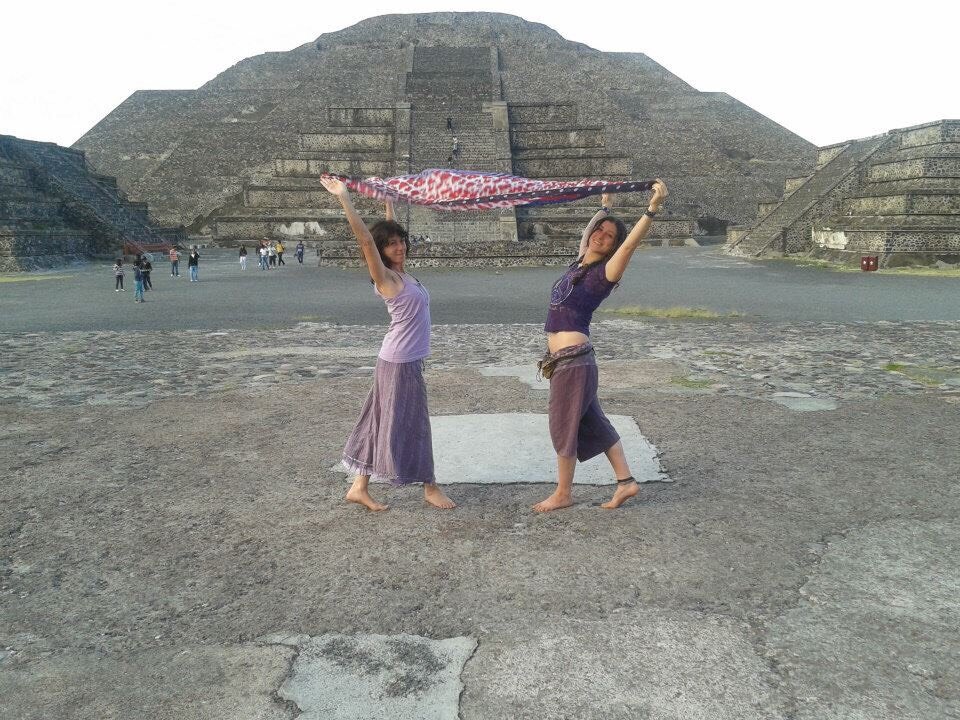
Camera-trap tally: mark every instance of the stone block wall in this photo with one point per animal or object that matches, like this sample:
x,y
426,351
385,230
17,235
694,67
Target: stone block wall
x,y
189,153
54,211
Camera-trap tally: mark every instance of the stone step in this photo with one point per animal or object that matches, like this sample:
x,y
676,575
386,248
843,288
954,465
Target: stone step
x,y
931,133
383,117
584,137
538,114
904,223
573,168
893,187
943,149
881,241
352,167
936,166
29,209
373,140
913,202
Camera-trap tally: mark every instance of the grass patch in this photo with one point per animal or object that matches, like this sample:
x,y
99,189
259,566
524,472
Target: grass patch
x,y
673,313
29,278
924,271
691,383
924,375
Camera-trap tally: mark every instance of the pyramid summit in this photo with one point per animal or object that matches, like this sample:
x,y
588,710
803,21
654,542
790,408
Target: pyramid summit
x,y
240,156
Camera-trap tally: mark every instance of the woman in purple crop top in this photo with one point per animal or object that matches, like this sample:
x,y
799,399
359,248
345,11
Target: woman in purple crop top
x,y
392,438
578,428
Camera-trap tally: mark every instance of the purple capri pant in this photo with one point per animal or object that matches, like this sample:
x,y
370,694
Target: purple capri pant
x,y
578,426
392,439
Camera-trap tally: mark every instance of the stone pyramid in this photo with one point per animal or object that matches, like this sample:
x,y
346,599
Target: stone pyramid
x,y
239,157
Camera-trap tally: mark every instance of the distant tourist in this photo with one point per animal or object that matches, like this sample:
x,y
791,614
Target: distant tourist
x,y
146,267
280,250
243,257
263,257
174,262
300,250
392,437
193,262
272,254
118,275
578,428
450,124
137,282
426,238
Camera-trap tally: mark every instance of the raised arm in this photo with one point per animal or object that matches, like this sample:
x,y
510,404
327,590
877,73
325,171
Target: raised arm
x,y
606,201
617,265
384,278
388,210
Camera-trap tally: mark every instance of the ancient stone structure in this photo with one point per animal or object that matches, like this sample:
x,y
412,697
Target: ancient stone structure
x,y
240,157
896,194
55,209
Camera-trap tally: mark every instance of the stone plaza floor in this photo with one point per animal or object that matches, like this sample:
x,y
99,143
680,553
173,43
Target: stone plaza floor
x,y
173,541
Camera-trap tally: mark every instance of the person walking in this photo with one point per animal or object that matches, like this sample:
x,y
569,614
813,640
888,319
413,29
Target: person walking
x,y
272,254
299,251
578,427
243,257
193,262
392,438
137,283
279,248
174,256
263,257
118,275
146,267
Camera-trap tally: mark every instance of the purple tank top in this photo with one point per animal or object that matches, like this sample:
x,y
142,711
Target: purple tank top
x,y
575,296
408,338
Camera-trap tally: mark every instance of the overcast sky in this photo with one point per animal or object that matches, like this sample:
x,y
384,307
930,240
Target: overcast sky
x,y
829,71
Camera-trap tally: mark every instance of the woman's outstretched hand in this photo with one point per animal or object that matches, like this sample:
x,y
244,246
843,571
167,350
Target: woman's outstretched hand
x,y
335,186
606,200
660,193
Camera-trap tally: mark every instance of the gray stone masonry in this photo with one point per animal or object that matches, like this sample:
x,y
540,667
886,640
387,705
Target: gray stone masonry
x,y
902,198
54,210
189,152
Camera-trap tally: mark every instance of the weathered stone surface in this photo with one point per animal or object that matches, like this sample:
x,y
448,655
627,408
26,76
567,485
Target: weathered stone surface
x,y
378,677
892,195
516,95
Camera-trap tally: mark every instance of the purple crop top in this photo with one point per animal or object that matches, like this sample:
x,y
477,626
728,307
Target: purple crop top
x,y
408,338
575,296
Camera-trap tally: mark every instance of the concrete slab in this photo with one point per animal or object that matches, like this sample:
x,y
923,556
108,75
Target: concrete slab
x,y
378,677
877,626
516,448
802,402
656,665
526,374
184,682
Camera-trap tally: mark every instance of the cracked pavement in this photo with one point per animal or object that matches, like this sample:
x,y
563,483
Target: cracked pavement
x,y
171,549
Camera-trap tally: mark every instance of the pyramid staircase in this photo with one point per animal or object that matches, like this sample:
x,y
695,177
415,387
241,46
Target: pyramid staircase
x,y
889,195
54,209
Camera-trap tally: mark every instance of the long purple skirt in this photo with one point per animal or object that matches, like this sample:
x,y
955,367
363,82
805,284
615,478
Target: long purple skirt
x,y
578,425
392,439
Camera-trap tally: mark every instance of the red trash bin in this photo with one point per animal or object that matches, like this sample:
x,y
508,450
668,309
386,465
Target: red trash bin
x,y
865,263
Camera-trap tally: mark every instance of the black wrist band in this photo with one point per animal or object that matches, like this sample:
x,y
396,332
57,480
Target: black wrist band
x,y
649,213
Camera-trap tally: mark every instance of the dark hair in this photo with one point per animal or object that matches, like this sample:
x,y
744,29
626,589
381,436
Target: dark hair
x,y
383,231
621,231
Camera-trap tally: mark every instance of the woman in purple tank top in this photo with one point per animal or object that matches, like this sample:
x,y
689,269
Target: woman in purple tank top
x,y
392,439
578,428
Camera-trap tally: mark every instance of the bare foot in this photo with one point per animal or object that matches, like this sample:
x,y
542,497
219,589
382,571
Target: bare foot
x,y
555,502
624,492
362,497
435,496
